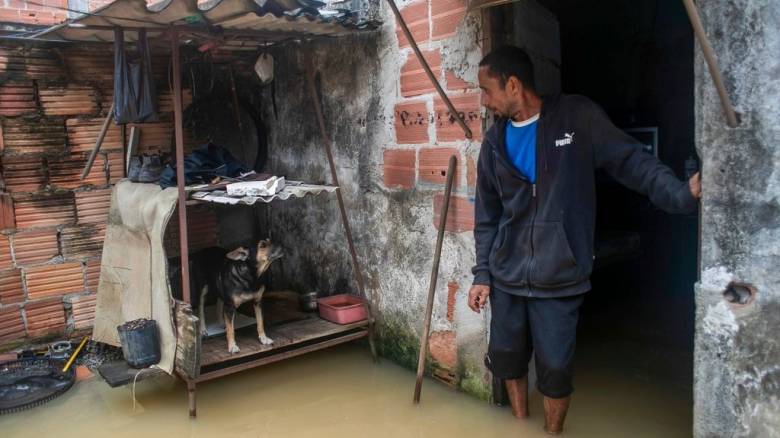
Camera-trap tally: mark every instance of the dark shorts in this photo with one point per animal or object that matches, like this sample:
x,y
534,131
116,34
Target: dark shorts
x,y
521,326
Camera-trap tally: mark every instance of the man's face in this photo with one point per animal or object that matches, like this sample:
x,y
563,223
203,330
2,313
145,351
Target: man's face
x,y
502,100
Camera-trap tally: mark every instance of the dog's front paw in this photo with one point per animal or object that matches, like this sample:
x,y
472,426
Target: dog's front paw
x,y
265,340
233,349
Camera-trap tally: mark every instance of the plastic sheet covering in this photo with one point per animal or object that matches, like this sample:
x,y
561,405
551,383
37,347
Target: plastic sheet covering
x,y
135,98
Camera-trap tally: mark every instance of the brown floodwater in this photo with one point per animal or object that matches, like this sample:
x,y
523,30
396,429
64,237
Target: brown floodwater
x,y
341,393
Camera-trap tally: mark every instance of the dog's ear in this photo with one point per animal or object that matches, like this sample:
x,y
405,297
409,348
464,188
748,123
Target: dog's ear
x,y
238,254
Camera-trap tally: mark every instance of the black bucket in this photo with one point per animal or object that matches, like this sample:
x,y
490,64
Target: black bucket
x,y
140,342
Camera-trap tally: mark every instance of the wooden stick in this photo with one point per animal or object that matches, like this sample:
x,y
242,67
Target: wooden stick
x,y
432,285
455,114
345,221
98,142
178,118
74,355
712,63
132,144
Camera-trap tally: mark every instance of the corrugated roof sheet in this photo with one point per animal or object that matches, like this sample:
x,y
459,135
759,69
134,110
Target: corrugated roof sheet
x,y
294,189
263,21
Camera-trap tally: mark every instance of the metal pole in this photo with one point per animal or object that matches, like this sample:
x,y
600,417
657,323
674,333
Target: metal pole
x,y
427,68
709,56
434,276
345,221
179,132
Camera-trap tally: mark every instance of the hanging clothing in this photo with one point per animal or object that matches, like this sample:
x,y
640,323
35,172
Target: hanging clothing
x,y
135,97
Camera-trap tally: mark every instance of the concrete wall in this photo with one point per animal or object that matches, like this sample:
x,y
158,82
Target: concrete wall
x,y
737,371
392,137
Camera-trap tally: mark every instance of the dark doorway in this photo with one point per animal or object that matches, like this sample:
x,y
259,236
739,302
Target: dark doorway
x,y
635,59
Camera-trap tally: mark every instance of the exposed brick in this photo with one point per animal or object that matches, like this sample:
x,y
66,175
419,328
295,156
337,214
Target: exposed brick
x,y
45,317
414,81
11,289
443,349
456,83
471,173
434,163
446,15
23,174
411,123
85,240
6,262
83,309
115,163
447,127
34,246
68,101
416,17
452,293
48,281
16,98
399,168
11,324
65,171
34,136
92,206
93,274
7,218
36,211
82,134
201,229
460,216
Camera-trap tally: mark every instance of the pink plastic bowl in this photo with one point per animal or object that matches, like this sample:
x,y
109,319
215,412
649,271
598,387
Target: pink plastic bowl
x,y
342,309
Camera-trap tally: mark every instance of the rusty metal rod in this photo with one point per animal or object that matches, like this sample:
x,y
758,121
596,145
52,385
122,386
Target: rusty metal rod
x,y
712,63
429,73
98,142
344,219
180,182
432,285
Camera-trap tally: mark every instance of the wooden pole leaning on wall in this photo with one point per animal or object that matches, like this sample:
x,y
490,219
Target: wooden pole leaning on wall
x,y
434,276
344,219
455,114
712,63
99,142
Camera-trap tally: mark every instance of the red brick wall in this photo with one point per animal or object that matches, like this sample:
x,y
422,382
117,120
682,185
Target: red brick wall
x,y
38,12
52,223
426,134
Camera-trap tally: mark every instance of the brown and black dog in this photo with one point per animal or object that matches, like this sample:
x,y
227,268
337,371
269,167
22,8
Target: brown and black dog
x,y
234,279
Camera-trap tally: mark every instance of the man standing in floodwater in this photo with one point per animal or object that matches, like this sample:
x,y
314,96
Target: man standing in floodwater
x,y
535,219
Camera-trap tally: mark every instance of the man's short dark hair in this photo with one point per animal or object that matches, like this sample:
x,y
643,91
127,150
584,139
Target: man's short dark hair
x,y
507,61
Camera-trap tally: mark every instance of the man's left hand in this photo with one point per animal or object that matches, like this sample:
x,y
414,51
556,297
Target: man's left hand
x,y
695,185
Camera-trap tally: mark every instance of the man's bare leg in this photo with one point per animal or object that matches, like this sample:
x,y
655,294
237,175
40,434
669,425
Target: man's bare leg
x,y
517,389
555,413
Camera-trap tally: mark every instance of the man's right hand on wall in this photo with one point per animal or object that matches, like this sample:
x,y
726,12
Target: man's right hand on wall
x,y
478,296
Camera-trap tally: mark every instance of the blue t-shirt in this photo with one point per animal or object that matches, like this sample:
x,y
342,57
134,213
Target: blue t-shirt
x,y
521,146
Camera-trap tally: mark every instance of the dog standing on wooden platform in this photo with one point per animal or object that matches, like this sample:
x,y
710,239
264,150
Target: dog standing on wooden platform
x,y
239,282
232,278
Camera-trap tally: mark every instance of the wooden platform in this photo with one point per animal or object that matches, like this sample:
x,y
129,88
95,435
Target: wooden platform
x,y
291,339
119,373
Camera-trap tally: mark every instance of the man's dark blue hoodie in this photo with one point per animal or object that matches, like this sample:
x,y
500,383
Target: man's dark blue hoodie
x,y
536,240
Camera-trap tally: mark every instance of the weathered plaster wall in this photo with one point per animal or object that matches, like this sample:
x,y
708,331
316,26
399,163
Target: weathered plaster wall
x,y
392,139
737,365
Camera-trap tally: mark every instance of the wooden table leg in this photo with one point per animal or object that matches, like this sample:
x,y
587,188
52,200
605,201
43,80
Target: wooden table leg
x,y
191,398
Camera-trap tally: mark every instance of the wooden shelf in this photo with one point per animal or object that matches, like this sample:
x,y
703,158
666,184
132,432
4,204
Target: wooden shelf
x,y
291,339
